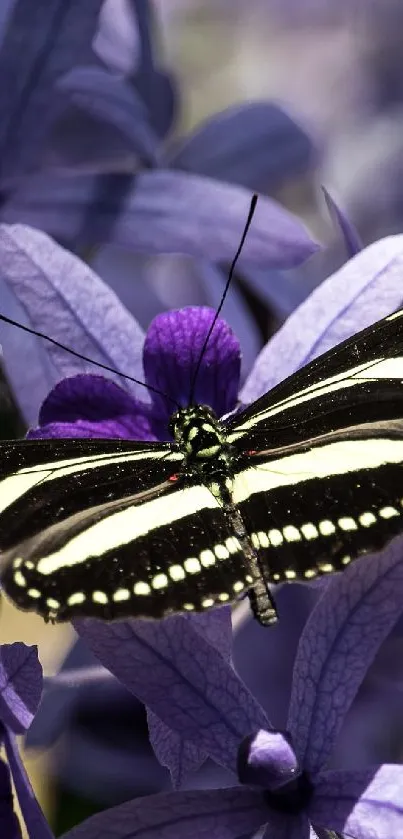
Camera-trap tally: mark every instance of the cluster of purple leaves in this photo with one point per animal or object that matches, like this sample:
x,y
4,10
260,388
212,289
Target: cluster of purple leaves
x,y
179,668
67,111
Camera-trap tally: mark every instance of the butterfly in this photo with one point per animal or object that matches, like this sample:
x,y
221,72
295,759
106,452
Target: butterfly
x,y
300,483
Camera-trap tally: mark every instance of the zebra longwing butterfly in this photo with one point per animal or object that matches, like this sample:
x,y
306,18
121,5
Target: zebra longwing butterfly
x,y
300,483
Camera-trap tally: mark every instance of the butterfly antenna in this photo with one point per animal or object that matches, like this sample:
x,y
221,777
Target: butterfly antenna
x,y
251,213
86,358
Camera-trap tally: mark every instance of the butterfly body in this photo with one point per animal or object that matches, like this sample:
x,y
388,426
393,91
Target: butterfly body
x,y
300,483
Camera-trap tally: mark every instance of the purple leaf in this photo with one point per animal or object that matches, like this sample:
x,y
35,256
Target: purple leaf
x,y
366,804
172,751
256,145
9,826
114,100
219,814
42,42
62,297
350,234
366,289
340,640
166,212
179,675
20,685
36,824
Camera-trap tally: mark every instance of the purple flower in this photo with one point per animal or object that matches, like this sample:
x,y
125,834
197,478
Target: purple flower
x,y
20,693
286,784
92,406
363,290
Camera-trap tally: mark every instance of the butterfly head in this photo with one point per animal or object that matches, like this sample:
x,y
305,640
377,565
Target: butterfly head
x,y
198,433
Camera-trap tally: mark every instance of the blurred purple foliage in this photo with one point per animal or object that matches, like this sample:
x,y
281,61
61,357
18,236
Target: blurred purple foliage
x,y
88,154
97,167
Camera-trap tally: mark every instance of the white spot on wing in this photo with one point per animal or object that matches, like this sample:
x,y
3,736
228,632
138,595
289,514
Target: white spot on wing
x,y
76,599
176,573
388,512
366,519
159,581
192,565
141,589
120,595
99,597
347,523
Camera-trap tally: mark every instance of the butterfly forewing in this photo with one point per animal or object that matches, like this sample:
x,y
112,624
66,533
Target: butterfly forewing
x,y
318,478
111,532
357,382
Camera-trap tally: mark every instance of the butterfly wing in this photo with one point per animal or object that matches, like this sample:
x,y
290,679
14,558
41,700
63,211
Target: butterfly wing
x,y
319,458
110,529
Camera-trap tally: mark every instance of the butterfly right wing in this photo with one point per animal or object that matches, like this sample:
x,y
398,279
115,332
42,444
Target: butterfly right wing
x,y
111,529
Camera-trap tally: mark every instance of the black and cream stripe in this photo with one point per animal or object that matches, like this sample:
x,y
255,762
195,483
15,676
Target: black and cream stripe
x,y
301,483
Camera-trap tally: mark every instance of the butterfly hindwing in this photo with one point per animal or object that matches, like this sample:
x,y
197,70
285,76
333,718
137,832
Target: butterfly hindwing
x,y
112,532
316,508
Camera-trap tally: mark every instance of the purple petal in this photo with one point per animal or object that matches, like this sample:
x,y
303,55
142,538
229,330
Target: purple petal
x,y
80,143
9,826
40,44
159,91
339,643
172,349
116,41
157,88
165,212
267,759
264,660
179,675
366,289
65,300
236,313
172,751
219,814
350,234
20,685
364,804
281,291
114,100
180,756
36,824
91,406
256,145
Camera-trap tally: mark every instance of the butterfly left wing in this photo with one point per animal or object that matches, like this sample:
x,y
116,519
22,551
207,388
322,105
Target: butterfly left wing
x,y
110,529
319,471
